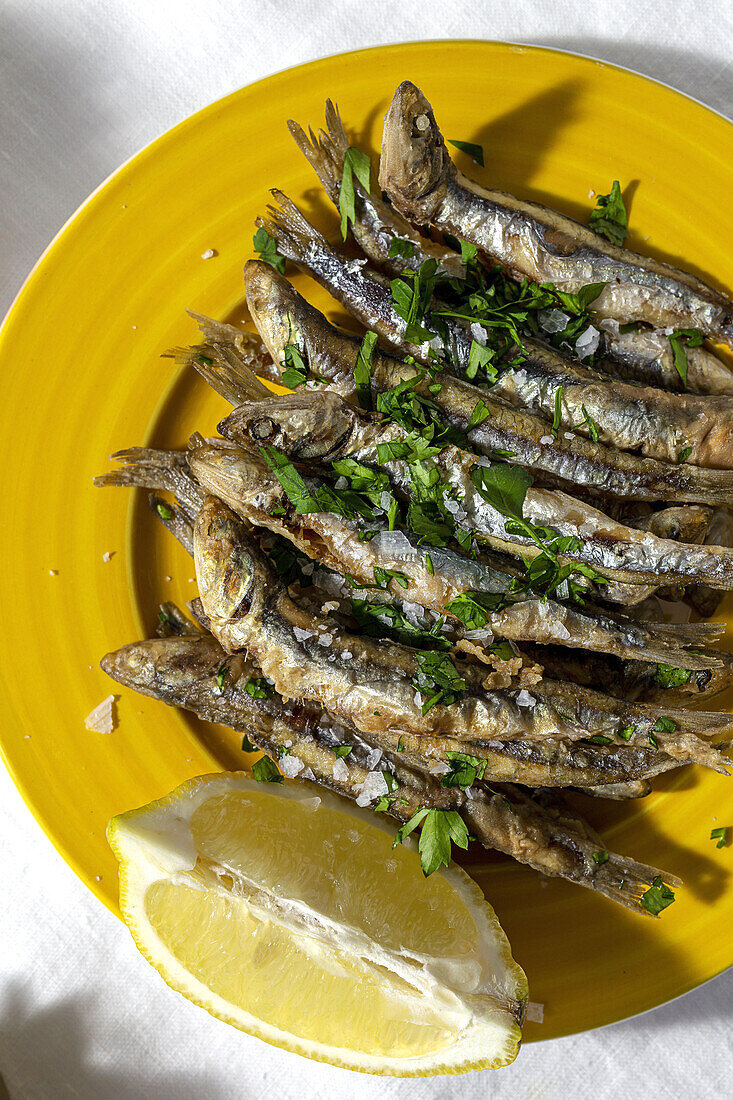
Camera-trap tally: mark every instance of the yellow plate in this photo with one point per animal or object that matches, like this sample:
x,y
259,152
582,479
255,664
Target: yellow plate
x,y
82,377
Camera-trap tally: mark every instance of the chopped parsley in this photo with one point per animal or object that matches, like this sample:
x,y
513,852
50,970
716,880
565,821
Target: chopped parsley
x,y
600,857
429,565
258,687
684,453
400,248
609,217
474,609
320,498
439,829
557,417
356,164
590,424
479,414
221,675
657,897
295,372
476,152
164,511
678,341
664,725
342,750
721,835
438,679
465,770
266,770
384,620
363,370
266,248
247,745
627,733
667,676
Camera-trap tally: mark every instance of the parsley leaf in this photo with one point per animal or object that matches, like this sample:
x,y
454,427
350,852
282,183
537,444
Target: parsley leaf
x,y
164,511
382,577
257,687
295,371
590,424
363,370
247,745
667,676
356,164
609,217
684,453
469,252
439,829
479,414
557,417
657,897
627,733
721,835
322,498
342,750
474,608
692,337
600,857
664,725
378,619
266,770
503,486
438,679
465,770
476,152
266,248
398,247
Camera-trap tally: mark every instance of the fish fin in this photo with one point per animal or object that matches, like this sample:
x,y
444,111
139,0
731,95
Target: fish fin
x,y
197,610
623,880
175,519
291,228
324,151
225,366
173,623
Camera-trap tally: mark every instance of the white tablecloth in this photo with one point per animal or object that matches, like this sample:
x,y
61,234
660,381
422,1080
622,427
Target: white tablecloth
x,y
85,85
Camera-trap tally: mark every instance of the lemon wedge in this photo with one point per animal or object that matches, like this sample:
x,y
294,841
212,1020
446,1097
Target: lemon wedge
x,y
288,915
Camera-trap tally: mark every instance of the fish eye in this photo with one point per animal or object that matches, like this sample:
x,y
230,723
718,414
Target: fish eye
x,y
264,428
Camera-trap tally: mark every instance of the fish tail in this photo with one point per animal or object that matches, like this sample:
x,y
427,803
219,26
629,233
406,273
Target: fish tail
x,y
147,468
625,881
292,230
687,634
175,519
226,367
698,483
324,151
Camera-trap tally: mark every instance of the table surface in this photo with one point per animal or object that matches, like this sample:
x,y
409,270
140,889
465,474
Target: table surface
x,y
85,84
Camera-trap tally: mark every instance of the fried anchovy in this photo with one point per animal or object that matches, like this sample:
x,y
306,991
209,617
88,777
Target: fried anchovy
x,y
531,240
313,425
250,488
186,672
283,317
377,224
651,421
646,356
370,683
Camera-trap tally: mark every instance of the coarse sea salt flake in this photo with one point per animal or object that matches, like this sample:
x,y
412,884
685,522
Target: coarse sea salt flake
x,y
341,482
535,1012
302,635
291,765
209,254
102,719
325,639
107,555
441,768
546,439
373,787
373,759
524,699
479,333
340,770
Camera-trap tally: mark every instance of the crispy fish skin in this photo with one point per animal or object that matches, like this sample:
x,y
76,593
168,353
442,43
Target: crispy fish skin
x,y
282,316
183,672
377,223
339,430
629,417
531,240
369,683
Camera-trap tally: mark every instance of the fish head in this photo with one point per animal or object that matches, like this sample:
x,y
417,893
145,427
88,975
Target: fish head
x,y
230,568
414,162
312,425
276,308
241,479
161,664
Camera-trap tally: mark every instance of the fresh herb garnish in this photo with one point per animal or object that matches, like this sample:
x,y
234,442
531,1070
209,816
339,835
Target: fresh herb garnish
x,y
247,745
258,687
721,835
221,674
476,152
609,217
379,619
684,453
667,676
164,511
600,739
627,733
363,370
320,498
411,296
465,770
479,414
600,857
266,770
657,897
590,424
474,609
382,577
440,828
664,725
266,248
402,249
295,371
438,679
356,164
557,417
678,340
342,750
429,565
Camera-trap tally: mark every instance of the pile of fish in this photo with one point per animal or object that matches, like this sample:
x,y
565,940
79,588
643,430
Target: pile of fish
x,y
452,572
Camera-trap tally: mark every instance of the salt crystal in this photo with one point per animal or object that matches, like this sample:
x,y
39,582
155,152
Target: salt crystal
x,y
340,770
569,435
209,253
302,635
440,768
588,341
452,505
342,482
373,787
535,1012
553,320
169,578
419,699
107,555
288,744
546,439
479,333
308,568
53,572
308,774
385,500
524,699
291,765
325,639
591,193
481,634
559,630
373,759
347,655
101,719
563,591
